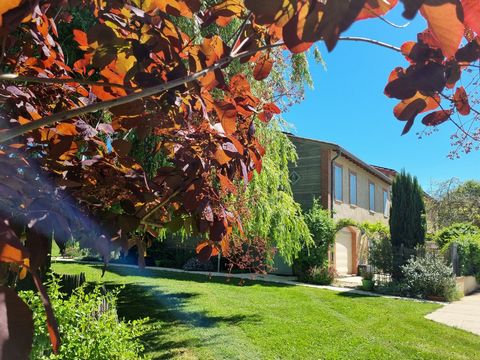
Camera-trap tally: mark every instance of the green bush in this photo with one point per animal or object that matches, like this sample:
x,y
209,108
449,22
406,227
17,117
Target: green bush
x,y
468,250
73,250
318,275
453,232
88,324
380,254
323,229
428,276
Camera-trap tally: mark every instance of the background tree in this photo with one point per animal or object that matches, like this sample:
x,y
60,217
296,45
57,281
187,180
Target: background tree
x,y
407,219
454,202
323,229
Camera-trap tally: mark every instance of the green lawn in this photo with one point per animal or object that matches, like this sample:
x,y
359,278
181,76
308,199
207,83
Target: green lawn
x,y
201,318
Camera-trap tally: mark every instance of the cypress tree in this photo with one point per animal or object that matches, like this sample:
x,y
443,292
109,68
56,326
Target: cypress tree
x,y
407,219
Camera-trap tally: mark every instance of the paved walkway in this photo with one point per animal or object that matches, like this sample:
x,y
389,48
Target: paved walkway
x,y
348,281
463,314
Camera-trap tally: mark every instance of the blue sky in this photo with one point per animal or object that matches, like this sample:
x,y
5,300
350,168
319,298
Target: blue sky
x,y
348,107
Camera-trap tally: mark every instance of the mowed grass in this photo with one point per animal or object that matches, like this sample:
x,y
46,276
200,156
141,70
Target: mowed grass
x,y
197,317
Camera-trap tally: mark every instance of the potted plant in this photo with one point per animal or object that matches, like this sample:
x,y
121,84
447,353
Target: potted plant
x,y
367,281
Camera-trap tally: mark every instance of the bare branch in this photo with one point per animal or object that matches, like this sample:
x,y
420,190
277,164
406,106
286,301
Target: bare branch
x,y
371,41
239,34
393,24
164,202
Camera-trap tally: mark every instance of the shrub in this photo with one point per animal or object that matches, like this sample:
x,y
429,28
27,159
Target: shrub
x,y
452,232
380,254
323,229
88,324
428,276
318,275
73,250
468,250
193,264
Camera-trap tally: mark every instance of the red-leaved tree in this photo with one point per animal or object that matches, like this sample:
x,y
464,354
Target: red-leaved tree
x,y
66,131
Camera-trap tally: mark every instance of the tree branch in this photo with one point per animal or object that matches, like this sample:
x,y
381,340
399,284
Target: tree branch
x,y
158,206
41,80
238,35
145,218
154,90
65,115
371,41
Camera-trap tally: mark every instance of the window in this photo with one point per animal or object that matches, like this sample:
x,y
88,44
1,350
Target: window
x,y
386,203
353,188
371,187
338,182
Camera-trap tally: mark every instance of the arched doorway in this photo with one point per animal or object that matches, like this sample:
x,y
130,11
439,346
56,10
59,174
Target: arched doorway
x,y
345,251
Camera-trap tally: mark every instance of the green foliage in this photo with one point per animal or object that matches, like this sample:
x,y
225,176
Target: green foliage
x,y
453,232
407,218
274,214
323,230
454,202
145,152
380,246
82,19
320,275
300,71
376,230
380,254
341,223
428,276
89,326
468,250
73,250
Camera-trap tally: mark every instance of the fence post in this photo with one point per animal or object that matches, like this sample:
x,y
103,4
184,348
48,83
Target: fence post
x,y
455,260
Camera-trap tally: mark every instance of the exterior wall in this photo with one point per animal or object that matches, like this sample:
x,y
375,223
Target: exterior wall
x,y
312,178
306,175
467,284
360,212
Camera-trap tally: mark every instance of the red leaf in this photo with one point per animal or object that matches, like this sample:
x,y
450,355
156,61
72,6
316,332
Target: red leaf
x,y
81,38
274,11
409,108
122,147
437,117
205,250
376,8
16,326
226,184
471,10
223,12
263,68
461,101
271,107
227,114
11,249
445,25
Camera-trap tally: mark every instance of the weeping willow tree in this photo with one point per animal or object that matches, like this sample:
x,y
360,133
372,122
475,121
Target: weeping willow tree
x,y
274,214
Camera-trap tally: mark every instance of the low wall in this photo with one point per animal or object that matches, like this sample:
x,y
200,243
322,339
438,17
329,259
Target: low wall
x,y
467,284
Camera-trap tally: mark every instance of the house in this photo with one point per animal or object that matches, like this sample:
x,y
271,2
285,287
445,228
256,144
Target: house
x,y
347,186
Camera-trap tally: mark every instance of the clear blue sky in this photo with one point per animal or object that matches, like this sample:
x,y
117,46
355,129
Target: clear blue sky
x,y
348,107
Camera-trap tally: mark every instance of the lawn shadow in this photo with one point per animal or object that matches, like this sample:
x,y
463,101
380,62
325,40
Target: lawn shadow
x,y
167,314
355,294
189,276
